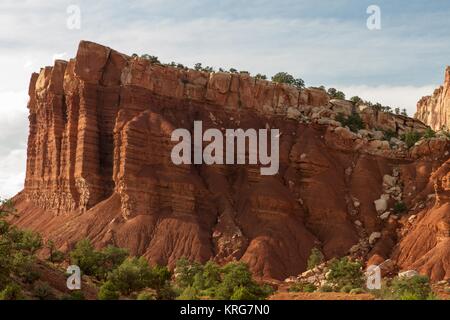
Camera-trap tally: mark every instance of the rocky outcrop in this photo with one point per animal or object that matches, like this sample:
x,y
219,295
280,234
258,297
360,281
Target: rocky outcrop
x,y
99,166
434,110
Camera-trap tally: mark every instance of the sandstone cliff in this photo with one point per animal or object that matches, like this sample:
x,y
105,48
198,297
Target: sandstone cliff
x,y
434,110
99,166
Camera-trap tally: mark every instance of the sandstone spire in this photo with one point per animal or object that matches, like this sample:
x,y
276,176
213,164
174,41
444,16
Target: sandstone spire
x,y
434,110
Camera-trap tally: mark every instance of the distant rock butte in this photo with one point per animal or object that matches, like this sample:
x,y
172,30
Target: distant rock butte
x,y
99,166
434,110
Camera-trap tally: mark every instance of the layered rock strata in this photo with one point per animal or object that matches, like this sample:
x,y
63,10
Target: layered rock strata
x,y
434,110
99,166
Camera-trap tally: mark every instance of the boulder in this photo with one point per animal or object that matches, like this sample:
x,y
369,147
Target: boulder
x,y
345,133
381,205
293,113
385,215
330,122
408,274
378,135
342,106
389,181
307,274
378,145
374,236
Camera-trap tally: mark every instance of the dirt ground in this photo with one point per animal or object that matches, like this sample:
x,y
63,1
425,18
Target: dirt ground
x,y
320,296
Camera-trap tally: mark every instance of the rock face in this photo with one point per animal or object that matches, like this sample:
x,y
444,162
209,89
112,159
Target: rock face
x,y
99,167
434,110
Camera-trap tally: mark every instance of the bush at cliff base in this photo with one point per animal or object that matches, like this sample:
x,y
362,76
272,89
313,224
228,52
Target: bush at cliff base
x,y
345,275
231,282
413,288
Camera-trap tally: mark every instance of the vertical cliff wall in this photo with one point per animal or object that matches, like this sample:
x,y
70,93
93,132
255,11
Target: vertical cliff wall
x,y
99,166
434,110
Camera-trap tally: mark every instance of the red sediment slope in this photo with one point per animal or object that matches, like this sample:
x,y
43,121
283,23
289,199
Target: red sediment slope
x,y
99,166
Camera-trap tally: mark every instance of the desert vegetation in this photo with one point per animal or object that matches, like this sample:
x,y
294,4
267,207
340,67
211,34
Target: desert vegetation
x,y
353,121
114,273
346,275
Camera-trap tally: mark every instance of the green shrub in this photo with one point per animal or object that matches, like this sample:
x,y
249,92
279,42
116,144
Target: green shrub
x,y
315,258
17,249
97,263
22,265
309,287
29,242
43,291
243,293
357,100
74,295
112,257
353,122
57,257
326,288
108,291
152,59
429,133
236,275
389,134
146,295
357,291
11,292
199,67
261,76
411,138
302,287
54,255
400,207
190,293
159,277
31,276
446,132
132,275
209,277
232,280
347,288
345,274
336,94
284,77
414,288
186,271
135,274
167,292
296,287
87,258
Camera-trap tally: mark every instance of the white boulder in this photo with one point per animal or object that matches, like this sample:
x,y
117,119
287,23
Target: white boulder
x,y
408,274
374,237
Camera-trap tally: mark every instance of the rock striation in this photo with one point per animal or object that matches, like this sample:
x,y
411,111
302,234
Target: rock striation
x,y
99,166
434,110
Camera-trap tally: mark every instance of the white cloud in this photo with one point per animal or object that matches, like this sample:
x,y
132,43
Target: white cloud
x,y
12,172
59,56
13,136
258,36
394,96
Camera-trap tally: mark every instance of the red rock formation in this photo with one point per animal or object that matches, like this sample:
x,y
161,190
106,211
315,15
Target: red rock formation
x,y
99,167
434,110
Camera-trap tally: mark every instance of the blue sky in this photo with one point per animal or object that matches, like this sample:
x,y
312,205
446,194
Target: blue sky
x,y
324,42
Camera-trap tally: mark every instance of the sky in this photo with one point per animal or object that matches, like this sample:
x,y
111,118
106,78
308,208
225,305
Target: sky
x,y
323,42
